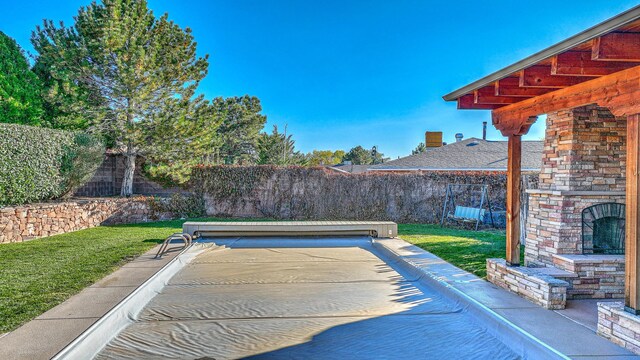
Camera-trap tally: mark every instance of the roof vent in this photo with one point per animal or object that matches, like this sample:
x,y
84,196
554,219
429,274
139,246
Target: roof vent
x,y
459,137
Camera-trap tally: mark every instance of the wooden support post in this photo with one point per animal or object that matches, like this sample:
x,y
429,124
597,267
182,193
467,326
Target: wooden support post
x,y
632,221
513,199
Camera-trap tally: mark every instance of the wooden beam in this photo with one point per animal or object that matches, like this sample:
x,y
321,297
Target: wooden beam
x,y
579,63
511,87
539,76
486,95
632,221
467,102
620,92
616,47
514,161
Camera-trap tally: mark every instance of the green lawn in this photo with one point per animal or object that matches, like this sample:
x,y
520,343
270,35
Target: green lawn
x,y
465,249
39,274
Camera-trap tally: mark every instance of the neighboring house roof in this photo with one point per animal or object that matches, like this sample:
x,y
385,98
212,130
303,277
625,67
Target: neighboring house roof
x,y
468,154
353,169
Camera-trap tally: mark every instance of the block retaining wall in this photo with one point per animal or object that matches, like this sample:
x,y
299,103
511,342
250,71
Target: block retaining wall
x,y
599,276
543,290
27,222
619,326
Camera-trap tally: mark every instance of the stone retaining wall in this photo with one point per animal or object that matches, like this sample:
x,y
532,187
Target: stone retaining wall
x,y
619,326
541,289
33,221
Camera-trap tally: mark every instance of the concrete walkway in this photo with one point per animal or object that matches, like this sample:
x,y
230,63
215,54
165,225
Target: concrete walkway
x,y
50,332
576,340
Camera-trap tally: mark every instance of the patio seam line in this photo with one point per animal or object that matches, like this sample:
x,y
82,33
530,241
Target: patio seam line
x,y
575,321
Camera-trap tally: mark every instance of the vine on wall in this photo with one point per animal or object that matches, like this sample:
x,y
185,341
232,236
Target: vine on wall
x,y
303,193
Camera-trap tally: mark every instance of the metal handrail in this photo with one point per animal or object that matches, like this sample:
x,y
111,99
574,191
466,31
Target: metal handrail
x,y
164,248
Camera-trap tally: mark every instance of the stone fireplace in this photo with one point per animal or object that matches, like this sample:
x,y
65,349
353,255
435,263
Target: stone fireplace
x,y
583,165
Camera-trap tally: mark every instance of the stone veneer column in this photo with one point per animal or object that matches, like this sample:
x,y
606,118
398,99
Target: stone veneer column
x,y
583,164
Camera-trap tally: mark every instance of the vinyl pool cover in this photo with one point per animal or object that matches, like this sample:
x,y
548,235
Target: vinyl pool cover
x,y
297,298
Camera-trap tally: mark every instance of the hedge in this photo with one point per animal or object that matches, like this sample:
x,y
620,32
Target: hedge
x,y
40,164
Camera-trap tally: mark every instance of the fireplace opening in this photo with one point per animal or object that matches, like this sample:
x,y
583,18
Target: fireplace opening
x,y
603,229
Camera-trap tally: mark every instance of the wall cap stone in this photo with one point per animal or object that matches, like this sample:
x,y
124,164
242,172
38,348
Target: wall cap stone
x,y
590,258
574,192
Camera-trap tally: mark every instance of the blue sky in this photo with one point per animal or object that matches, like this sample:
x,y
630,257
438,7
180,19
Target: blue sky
x,y
343,73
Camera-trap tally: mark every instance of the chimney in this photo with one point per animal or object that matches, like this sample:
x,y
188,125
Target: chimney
x,y
433,139
484,130
459,137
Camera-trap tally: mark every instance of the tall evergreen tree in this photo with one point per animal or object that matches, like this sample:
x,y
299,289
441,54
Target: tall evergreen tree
x,y
278,149
240,127
20,89
134,75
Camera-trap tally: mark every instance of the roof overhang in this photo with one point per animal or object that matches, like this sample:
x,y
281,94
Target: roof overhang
x,y
565,74
603,28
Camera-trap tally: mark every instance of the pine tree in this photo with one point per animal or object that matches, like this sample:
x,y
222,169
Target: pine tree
x,y
131,75
278,149
240,127
419,149
20,90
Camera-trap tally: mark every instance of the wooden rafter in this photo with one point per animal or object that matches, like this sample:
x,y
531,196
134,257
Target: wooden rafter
x,y
620,92
511,87
579,63
539,76
616,47
467,102
486,95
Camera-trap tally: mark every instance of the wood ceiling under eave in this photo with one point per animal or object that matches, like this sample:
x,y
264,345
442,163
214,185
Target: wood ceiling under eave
x,y
615,51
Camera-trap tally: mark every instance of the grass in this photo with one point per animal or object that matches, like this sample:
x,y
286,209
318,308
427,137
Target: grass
x,y
39,274
465,249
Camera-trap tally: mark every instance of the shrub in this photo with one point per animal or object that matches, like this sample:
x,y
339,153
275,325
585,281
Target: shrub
x,y
180,205
41,164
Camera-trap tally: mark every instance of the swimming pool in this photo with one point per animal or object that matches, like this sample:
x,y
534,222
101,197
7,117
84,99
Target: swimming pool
x,y
322,298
